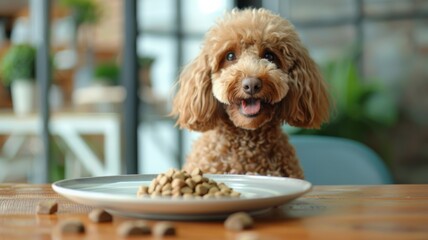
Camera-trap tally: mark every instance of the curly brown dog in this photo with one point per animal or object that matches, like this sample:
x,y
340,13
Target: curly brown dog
x,y
252,75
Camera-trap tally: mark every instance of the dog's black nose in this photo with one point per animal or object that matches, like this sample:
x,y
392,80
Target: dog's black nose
x,y
251,85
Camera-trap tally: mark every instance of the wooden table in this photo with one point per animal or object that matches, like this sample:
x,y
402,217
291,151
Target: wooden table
x,y
327,212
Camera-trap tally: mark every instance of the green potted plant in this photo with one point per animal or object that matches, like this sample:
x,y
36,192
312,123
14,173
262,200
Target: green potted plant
x,y
84,11
107,73
84,14
17,70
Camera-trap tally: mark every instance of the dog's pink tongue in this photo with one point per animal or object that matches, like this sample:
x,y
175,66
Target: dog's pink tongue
x,y
250,107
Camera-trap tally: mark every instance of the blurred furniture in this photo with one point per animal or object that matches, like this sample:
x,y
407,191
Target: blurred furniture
x,y
327,212
338,161
105,98
69,127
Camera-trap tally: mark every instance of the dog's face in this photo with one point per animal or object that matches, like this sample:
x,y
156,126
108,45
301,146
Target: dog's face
x,y
254,68
250,71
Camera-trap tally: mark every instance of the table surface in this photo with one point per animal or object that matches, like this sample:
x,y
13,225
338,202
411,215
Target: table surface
x,y
327,212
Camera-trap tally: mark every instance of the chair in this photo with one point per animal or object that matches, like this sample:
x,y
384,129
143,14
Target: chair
x,y
338,161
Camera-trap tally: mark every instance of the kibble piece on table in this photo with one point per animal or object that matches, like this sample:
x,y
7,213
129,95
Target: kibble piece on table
x,y
100,216
133,228
239,221
47,207
71,226
164,229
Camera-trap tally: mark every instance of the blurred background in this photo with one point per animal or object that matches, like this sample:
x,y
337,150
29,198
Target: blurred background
x,y
373,54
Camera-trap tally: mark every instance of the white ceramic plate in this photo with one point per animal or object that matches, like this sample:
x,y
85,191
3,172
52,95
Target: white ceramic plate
x,y
117,194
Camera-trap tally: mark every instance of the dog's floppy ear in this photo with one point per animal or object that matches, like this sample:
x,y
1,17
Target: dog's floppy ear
x,y
194,104
307,102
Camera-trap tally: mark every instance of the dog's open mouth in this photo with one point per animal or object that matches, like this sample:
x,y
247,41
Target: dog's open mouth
x,y
250,107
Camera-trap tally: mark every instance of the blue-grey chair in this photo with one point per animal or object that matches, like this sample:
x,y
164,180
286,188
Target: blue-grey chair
x,y
339,161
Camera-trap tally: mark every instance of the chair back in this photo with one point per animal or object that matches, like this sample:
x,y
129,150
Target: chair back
x,y
339,161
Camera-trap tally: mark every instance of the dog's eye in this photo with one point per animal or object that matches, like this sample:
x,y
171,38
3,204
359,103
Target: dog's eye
x,y
230,56
270,56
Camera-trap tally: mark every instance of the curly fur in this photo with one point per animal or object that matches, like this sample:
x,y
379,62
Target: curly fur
x,y
211,95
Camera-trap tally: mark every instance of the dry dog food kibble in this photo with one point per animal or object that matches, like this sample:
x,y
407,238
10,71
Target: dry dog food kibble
x,y
163,229
133,228
71,226
100,216
47,207
178,183
239,221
